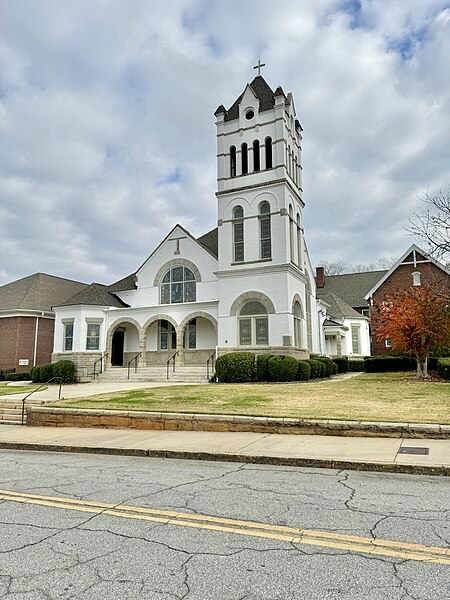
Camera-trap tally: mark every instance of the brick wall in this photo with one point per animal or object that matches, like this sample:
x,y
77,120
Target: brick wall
x,y
17,341
401,279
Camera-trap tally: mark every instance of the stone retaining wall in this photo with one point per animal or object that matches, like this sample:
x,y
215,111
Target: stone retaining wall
x,y
65,417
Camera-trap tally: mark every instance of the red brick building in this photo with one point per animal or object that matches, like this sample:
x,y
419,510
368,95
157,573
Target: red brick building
x,y
27,319
414,268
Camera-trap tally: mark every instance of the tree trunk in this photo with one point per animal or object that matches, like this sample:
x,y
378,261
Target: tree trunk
x,y
422,367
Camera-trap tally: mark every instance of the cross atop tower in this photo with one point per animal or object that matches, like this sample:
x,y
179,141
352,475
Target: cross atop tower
x,y
259,65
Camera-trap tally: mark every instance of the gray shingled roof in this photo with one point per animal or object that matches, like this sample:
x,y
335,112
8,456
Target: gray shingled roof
x,y
337,309
210,241
37,292
262,91
127,283
95,294
352,287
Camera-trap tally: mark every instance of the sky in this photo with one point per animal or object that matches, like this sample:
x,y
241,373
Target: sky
x,y
107,127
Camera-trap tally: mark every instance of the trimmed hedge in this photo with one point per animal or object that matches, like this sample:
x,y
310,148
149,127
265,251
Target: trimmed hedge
x,y
25,376
65,370
45,373
235,367
356,365
443,368
303,371
282,368
383,364
315,367
35,374
328,365
262,367
342,364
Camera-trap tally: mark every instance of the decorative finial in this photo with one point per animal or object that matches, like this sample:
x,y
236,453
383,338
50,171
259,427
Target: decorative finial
x,y
259,65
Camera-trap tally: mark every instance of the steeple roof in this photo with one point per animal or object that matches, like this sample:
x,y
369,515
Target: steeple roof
x,y
262,91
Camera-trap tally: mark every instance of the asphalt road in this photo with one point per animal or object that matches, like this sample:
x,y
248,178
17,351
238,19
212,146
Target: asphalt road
x,y
96,526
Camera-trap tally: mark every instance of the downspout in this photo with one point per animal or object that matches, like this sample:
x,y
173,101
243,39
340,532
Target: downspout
x,y
36,329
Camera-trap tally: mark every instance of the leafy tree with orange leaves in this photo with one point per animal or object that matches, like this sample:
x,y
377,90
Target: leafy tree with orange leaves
x,y
417,322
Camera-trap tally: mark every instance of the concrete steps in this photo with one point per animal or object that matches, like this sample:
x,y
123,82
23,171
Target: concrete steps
x,y
182,374
11,410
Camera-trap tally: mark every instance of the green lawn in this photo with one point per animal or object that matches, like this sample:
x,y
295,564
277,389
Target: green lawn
x,y
6,390
367,396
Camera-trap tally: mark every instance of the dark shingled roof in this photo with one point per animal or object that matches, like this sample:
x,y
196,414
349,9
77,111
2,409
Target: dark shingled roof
x,y
95,294
352,287
262,91
127,283
338,309
210,241
37,292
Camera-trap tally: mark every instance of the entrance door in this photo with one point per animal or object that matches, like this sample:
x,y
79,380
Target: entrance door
x,y
117,348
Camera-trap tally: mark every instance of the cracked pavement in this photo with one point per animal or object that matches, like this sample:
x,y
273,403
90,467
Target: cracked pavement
x,y
53,553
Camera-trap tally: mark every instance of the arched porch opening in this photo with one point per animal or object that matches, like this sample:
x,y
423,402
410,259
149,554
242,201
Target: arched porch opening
x,y
123,342
161,338
199,337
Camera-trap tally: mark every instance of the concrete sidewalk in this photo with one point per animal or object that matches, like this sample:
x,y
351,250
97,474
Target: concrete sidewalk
x,y
370,454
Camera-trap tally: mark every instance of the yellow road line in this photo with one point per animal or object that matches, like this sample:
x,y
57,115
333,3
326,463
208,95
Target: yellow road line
x,y
349,543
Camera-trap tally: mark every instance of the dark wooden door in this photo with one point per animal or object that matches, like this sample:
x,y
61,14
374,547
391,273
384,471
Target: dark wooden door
x,y
117,349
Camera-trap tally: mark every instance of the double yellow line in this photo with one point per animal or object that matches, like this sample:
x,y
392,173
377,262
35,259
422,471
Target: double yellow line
x,y
348,543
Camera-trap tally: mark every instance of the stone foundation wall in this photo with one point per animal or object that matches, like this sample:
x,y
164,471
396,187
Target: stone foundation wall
x,y
84,363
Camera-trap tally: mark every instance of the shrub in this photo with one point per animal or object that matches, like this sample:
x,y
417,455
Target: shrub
x,y
235,367
303,371
335,369
315,367
35,373
342,364
45,373
356,365
328,365
262,367
322,369
383,364
443,368
282,368
26,376
65,370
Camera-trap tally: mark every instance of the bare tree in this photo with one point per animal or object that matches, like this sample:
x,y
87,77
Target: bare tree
x,y
341,267
433,224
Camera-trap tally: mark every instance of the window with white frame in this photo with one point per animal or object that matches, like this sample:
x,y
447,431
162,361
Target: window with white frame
x,y
291,233
167,335
68,336
93,336
265,230
416,278
299,242
190,340
388,343
356,343
297,314
253,325
309,336
178,285
238,234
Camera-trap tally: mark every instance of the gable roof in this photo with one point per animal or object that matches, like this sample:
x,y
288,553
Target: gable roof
x,y
262,91
95,294
352,287
37,292
411,250
338,309
127,283
210,241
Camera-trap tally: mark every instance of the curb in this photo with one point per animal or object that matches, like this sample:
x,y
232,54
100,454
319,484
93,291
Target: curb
x,y
248,459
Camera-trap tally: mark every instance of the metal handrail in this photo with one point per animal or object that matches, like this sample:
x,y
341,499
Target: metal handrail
x,y
135,364
211,362
37,389
172,358
102,367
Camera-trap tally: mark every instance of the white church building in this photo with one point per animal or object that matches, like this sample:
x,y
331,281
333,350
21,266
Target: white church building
x,y
247,285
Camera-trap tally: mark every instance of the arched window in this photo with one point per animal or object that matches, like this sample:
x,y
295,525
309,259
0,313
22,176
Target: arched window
x,y
233,161
265,234
299,242
256,158
297,314
244,158
178,285
253,325
289,161
308,313
291,233
268,149
238,234
167,335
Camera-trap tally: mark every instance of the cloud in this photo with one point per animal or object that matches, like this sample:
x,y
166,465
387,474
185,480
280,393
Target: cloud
x,y
108,135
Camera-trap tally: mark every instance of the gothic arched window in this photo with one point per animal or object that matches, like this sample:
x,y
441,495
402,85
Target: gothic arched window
x,y
244,158
268,149
297,314
256,158
233,161
253,325
265,233
178,285
291,233
238,234
299,242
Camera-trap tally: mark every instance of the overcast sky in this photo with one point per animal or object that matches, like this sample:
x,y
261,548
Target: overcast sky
x,y
107,131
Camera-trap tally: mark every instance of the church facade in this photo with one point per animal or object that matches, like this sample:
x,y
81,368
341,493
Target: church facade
x,y
246,285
